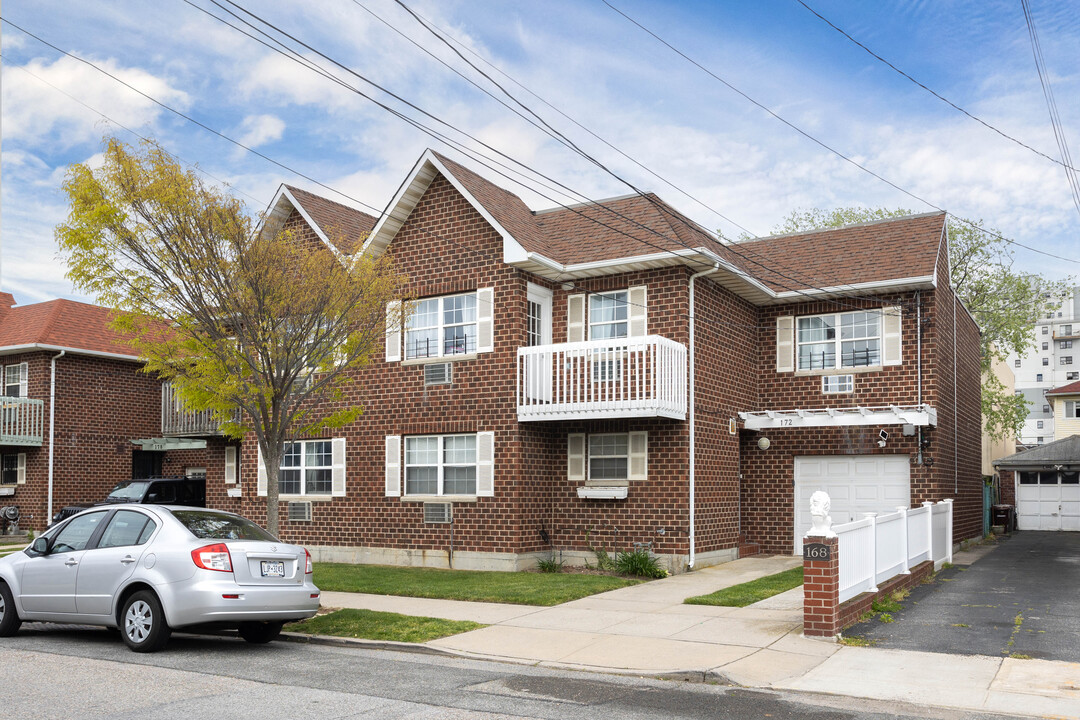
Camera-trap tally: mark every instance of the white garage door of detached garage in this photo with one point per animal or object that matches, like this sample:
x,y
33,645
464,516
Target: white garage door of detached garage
x,y
1048,500
856,484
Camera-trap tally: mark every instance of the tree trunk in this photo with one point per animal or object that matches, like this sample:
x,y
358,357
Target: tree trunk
x,y
272,459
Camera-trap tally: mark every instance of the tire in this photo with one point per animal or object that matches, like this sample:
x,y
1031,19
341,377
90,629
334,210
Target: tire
x,y
142,623
259,633
9,616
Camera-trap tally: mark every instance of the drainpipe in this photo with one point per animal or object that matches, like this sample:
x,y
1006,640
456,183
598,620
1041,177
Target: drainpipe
x,y
52,426
918,361
694,277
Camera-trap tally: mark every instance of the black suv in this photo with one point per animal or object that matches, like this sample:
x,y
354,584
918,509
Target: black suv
x,y
190,491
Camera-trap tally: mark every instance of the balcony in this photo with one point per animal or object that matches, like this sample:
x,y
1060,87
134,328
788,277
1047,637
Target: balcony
x,y
22,421
177,421
618,378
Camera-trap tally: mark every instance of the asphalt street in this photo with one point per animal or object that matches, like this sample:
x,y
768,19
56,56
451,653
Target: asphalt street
x,y
1019,600
64,673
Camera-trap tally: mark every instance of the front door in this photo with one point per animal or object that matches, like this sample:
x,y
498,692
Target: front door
x,y
145,464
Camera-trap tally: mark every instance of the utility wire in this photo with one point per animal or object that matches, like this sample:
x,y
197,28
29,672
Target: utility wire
x,y
825,146
1051,105
943,99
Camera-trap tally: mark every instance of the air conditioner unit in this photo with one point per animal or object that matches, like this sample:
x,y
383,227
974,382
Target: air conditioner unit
x,y
299,512
437,374
438,512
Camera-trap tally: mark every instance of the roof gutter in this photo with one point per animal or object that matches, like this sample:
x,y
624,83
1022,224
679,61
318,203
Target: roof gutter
x,y
714,269
52,429
30,347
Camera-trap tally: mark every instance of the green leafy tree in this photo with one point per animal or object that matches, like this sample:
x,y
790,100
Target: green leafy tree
x,y
263,329
1005,302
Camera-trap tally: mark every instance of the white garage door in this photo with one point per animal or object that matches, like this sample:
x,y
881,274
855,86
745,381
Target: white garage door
x,y
1048,500
856,484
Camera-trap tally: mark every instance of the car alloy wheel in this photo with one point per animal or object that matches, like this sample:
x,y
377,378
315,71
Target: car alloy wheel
x,y
144,628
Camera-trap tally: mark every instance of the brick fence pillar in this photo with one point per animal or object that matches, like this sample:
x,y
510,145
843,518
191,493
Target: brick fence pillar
x,y
821,591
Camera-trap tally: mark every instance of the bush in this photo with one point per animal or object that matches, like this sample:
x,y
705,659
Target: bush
x,y
640,563
549,565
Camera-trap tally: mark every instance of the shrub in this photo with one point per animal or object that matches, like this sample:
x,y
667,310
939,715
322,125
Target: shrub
x,y
640,563
549,565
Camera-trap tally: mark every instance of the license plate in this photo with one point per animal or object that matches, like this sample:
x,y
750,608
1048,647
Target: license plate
x,y
273,568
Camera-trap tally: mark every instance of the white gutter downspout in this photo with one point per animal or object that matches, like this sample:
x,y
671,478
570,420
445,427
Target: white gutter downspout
x,y
694,277
52,426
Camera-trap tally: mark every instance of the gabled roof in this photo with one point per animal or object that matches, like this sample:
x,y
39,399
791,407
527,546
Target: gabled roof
x,y
1070,389
1064,452
341,227
61,324
638,232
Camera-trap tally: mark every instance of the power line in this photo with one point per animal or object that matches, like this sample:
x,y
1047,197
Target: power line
x,y
822,144
943,99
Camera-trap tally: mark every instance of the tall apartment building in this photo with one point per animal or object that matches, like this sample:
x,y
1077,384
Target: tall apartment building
x,y
1053,362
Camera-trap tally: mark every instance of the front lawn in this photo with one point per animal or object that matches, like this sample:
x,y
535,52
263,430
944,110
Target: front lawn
x,y
372,625
518,588
751,592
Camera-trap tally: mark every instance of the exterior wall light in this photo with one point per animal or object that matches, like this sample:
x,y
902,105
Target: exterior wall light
x,y
763,443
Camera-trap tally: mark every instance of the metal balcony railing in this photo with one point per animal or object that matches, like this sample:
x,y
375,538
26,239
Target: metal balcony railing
x,y
22,421
616,378
177,421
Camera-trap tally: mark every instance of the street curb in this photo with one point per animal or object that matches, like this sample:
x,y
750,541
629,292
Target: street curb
x,y
364,643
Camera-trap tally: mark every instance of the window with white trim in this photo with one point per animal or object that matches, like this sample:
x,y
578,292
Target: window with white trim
x,y
1065,360
440,465
841,340
307,468
442,326
1046,345
1066,330
609,315
1039,424
609,456
837,384
1038,377
1045,362
13,469
1072,409
1046,329
1072,376
1016,362
15,380
1064,344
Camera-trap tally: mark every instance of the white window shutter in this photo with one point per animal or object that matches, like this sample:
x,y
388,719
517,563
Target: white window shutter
x,y
230,464
575,318
485,320
785,343
639,455
485,464
393,331
393,466
337,468
575,456
892,351
24,379
261,485
20,469
637,312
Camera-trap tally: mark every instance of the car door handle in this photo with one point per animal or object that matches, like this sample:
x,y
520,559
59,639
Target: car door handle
x,y
71,561
127,560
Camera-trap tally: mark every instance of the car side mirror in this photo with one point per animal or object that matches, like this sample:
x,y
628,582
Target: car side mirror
x,y
41,546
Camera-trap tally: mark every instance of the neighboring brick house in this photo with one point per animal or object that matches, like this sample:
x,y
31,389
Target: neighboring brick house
x,y
61,354
609,374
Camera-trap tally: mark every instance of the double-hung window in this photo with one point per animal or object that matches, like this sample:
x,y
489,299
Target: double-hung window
x,y
442,326
609,456
609,315
607,459
307,468
1072,409
839,341
440,465
15,380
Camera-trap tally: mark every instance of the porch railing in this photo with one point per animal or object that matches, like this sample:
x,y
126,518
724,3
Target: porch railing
x,y
22,421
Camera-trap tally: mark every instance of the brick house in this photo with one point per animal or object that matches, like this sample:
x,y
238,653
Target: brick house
x,y
609,374
77,414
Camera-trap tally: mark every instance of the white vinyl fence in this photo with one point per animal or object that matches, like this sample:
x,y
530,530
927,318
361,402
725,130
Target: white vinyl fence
x,y
879,547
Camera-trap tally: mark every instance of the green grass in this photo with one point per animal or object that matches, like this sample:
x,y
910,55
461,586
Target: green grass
x,y
751,592
519,588
372,625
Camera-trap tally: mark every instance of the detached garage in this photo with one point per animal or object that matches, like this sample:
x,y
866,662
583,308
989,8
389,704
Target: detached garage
x,y
856,484
1046,485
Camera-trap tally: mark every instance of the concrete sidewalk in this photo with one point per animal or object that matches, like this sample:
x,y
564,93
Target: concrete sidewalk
x,y
646,629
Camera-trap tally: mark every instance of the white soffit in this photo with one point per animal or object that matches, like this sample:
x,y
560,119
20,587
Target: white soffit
x,y
919,415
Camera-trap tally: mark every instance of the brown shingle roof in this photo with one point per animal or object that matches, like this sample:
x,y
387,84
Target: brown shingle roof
x,y
344,226
1070,389
864,253
61,323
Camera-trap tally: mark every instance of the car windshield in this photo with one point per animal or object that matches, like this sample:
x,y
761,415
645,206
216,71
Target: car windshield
x,y
127,491
207,524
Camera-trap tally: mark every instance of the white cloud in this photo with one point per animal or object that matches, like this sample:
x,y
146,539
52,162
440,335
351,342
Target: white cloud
x,y
258,130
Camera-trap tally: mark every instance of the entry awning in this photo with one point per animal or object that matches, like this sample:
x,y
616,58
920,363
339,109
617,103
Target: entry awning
x,y
170,443
922,415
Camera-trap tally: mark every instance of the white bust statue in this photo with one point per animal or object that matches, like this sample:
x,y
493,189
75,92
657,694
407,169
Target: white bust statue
x,y
820,522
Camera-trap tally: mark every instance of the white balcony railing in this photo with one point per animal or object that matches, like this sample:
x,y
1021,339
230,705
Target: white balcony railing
x,y
626,377
21,421
176,420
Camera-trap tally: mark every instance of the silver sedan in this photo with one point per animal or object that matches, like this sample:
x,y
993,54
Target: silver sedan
x,y
147,569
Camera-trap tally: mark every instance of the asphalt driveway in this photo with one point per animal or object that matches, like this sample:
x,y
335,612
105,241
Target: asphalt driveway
x,y
1021,599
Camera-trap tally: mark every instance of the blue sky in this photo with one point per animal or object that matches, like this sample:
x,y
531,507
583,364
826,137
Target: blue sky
x,y
592,64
